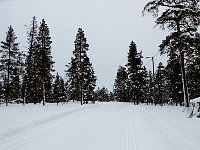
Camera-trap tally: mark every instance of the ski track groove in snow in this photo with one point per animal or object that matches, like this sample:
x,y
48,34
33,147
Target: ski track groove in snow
x,y
130,134
103,126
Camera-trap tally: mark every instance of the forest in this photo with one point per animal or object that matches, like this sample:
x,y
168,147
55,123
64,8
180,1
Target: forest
x,y
27,77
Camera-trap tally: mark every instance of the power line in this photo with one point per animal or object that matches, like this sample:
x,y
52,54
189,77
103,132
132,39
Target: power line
x,y
152,57
147,63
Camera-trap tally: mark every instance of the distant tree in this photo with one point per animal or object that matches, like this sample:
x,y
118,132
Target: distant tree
x,y
121,85
134,70
58,89
102,94
11,66
67,91
80,72
143,84
44,64
150,88
182,19
159,85
111,96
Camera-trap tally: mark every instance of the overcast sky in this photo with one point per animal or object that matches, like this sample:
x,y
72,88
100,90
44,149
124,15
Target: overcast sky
x,y
109,25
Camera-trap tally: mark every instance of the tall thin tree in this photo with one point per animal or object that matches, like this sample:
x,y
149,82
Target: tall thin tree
x,y
10,65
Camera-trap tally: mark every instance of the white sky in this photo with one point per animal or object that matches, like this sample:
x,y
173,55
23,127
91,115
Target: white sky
x,y
109,25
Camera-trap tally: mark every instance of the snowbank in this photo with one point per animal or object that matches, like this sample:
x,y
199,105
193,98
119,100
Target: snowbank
x,y
195,104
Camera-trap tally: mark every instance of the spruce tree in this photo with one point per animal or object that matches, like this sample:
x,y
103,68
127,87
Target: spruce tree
x,y
121,85
159,85
150,88
102,94
44,64
30,80
134,70
11,66
143,84
58,89
80,71
173,71
73,79
89,79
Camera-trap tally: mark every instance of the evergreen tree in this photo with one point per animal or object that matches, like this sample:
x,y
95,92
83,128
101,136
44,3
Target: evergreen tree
x,y
44,64
89,79
111,96
193,70
73,79
134,70
30,80
67,91
11,66
102,94
80,71
150,88
173,77
159,85
58,89
144,83
121,85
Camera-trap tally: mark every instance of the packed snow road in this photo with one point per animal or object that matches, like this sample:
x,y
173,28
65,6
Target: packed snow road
x,y
101,126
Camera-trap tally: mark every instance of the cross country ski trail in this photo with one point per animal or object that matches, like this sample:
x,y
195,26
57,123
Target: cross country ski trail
x,y
105,126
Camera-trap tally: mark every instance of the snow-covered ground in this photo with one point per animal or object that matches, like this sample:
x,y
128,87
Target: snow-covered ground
x,y
100,126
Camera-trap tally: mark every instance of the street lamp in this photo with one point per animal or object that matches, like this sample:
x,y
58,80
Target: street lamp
x,y
152,59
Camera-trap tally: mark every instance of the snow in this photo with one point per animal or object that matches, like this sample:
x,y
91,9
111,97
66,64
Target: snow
x,y
196,100
196,106
100,126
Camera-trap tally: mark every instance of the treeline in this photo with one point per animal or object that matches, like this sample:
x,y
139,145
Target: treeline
x,y
177,82
135,84
29,78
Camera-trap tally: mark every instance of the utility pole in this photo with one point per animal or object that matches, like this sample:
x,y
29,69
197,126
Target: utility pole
x,y
152,59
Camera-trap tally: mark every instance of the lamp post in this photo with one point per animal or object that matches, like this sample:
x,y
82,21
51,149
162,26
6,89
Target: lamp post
x,y
152,59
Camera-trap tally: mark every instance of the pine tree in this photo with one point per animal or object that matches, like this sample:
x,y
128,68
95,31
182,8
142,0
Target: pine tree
x,y
182,18
11,66
44,64
134,69
121,85
30,80
80,71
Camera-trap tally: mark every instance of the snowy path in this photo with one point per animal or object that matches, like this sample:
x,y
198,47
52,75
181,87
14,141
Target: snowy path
x,y
107,126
